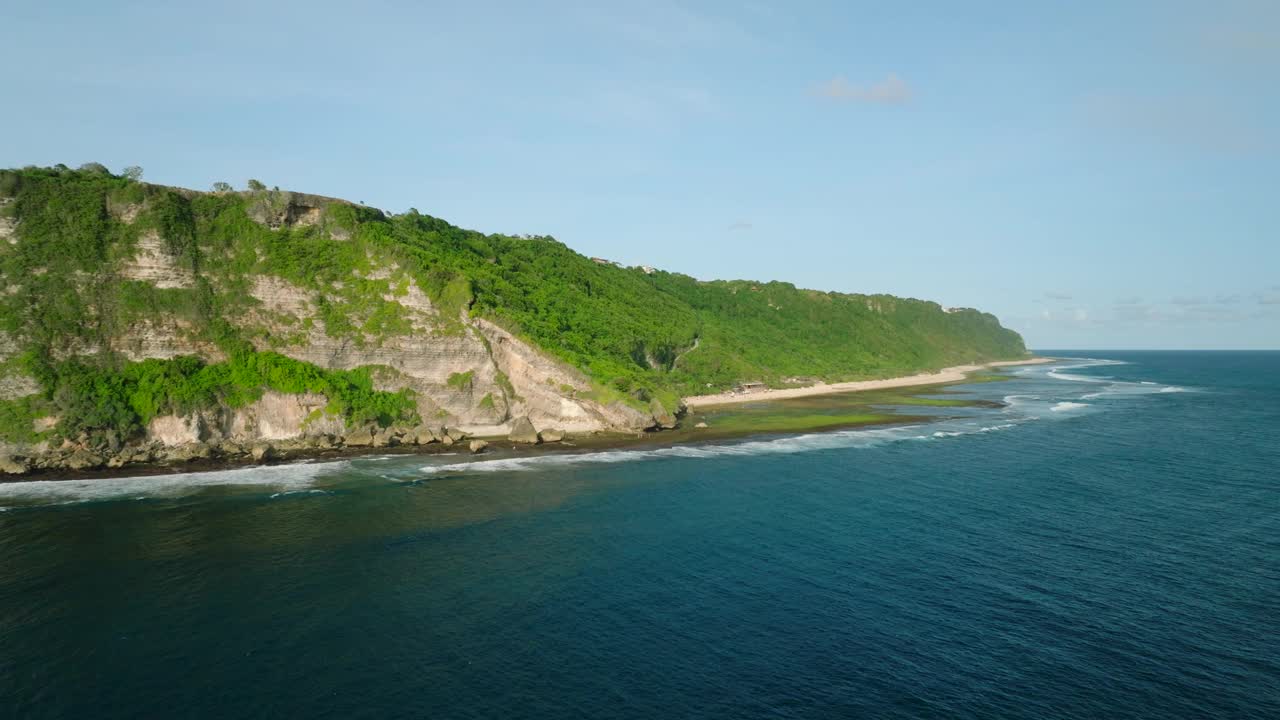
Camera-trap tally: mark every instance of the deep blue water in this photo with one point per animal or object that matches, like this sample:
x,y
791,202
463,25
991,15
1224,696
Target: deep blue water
x,y
1107,546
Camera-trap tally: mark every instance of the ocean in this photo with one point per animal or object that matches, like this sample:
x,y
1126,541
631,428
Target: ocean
x,y
1106,545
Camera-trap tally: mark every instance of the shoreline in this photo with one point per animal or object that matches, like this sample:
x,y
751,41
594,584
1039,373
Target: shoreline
x,y
952,374
593,442
497,449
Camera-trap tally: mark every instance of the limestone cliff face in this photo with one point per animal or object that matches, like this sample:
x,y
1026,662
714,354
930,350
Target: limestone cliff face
x,y
505,377
275,416
8,226
469,376
467,373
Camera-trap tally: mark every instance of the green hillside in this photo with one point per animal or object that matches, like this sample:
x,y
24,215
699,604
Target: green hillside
x,y
638,335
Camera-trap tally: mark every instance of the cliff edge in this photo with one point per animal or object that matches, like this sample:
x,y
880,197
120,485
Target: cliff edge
x,y
144,323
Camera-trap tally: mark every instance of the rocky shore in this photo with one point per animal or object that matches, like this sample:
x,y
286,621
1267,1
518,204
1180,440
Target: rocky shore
x,y
107,453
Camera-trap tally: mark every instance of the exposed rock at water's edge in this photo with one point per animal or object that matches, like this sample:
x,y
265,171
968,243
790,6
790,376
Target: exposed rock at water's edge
x,y
83,459
360,437
662,417
421,435
522,431
10,465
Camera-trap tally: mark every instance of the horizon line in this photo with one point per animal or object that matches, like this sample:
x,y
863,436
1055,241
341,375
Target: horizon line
x,y
1157,349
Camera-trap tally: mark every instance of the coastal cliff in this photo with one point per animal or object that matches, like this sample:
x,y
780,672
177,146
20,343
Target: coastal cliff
x,y
143,323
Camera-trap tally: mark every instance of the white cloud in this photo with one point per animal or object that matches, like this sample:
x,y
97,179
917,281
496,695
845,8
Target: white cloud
x,y
890,91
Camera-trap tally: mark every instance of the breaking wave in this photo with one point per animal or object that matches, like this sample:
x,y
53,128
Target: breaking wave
x,y
1044,401
282,478
780,446
1065,406
1112,386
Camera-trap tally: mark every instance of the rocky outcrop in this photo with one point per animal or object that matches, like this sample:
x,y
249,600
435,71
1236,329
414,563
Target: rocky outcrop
x,y
522,431
262,452
280,416
469,376
551,393
161,338
423,435
188,452
173,430
360,437
14,465
17,385
662,417
281,208
152,263
84,459
8,226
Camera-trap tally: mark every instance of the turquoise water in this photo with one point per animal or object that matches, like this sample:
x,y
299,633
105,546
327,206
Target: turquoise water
x,y
1107,545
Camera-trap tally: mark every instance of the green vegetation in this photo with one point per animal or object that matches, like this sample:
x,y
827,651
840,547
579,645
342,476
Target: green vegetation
x,y
461,380
819,412
17,418
925,401
985,378
123,399
508,389
639,337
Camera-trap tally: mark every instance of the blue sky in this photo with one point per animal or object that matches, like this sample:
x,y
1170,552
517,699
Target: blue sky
x,y
1097,174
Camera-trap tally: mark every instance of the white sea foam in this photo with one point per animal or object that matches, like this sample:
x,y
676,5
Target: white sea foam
x,y
1059,375
312,491
1015,399
1121,389
780,446
1113,387
284,478
1065,406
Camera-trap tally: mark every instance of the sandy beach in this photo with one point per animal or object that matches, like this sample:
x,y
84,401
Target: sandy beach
x,y
946,375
